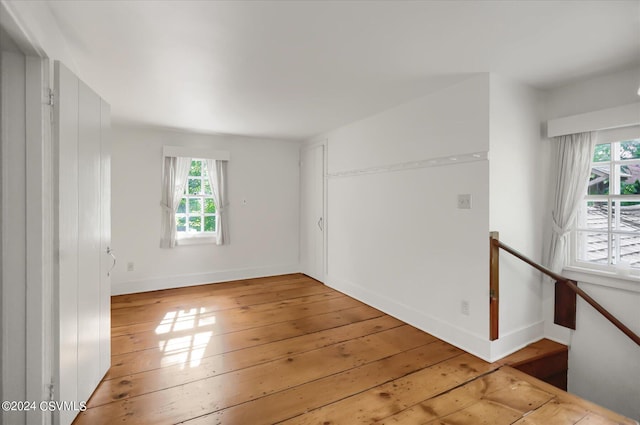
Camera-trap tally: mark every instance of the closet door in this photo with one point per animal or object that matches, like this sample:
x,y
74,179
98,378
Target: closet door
x,y
312,223
107,260
88,240
66,290
82,297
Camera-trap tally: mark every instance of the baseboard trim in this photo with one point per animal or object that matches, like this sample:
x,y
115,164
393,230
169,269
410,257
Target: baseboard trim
x,y
516,340
477,345
461,338
181,281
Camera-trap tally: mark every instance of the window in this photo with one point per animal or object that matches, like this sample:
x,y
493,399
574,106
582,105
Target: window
x,y
607,231
196,213
194,196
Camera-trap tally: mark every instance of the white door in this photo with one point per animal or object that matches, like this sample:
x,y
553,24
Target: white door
x,y
107,258
312,221
82,293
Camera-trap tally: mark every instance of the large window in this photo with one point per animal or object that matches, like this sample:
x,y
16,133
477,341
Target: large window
x,y
196,214
607,232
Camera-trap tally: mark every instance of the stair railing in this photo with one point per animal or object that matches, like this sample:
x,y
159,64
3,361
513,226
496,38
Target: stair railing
x,y
565,293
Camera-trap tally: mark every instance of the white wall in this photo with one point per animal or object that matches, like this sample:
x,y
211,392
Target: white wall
x,y
518,191
604,365
264,232
396,239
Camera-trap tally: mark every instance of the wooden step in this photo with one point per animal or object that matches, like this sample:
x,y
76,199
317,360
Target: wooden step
x,y
545,359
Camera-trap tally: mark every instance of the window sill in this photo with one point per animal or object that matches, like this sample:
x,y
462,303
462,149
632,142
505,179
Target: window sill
x,y
196,240
608,279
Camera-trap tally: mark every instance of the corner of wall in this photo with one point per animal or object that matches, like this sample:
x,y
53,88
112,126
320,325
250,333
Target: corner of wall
x,y
517,200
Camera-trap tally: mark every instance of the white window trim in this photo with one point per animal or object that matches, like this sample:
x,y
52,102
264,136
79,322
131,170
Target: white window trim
x,y
186,238
196,238
189,152
612,124
610,120
612,276
609,279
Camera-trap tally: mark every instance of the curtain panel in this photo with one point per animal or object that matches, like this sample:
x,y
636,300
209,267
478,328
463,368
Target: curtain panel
x,y
574,154
218,181
174,179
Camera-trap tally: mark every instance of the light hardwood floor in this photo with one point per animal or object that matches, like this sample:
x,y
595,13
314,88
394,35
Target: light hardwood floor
x,y
289,349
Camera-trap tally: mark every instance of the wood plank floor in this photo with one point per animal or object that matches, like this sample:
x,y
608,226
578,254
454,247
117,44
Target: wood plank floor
x,y
288,349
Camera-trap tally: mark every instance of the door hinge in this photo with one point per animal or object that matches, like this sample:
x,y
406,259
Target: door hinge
x,y
50,98
50,390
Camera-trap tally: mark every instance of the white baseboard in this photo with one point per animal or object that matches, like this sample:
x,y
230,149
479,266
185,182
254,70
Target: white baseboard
x,y
180,281
477,345
513,341
461,338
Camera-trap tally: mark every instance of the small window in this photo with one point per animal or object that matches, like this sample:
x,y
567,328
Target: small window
x,y
196,214
607,232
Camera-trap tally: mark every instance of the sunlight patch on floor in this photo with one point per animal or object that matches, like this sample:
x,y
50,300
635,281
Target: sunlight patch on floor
x,y
186,350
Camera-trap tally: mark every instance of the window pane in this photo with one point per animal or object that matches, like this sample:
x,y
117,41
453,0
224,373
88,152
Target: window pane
x,y
629,149
630,179
599,180
209,206
593,247
182,207
195,224
196,168
626,216
194,186
602,153
207,188
195,205
181,224
210,224
594,215
629,251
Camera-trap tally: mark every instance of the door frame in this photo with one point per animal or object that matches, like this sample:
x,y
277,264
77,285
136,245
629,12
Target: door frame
x,y
324,143
39,276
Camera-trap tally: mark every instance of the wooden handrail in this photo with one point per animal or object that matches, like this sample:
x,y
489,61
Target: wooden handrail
x,y
517,254
496,244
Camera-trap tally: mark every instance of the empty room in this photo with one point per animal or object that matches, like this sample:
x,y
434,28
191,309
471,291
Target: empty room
x,y
320,212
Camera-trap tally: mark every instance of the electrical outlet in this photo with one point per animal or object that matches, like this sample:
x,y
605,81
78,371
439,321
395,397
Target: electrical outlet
x,y
464,202
464,307
130,266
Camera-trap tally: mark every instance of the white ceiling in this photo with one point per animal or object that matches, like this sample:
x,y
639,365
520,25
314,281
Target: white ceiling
x,y
295,69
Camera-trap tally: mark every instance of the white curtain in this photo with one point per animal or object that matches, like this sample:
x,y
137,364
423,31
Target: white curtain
x,y
174,179
574,153
218,180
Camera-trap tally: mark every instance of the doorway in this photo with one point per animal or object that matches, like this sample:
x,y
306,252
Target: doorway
x,y
26,268
312,217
